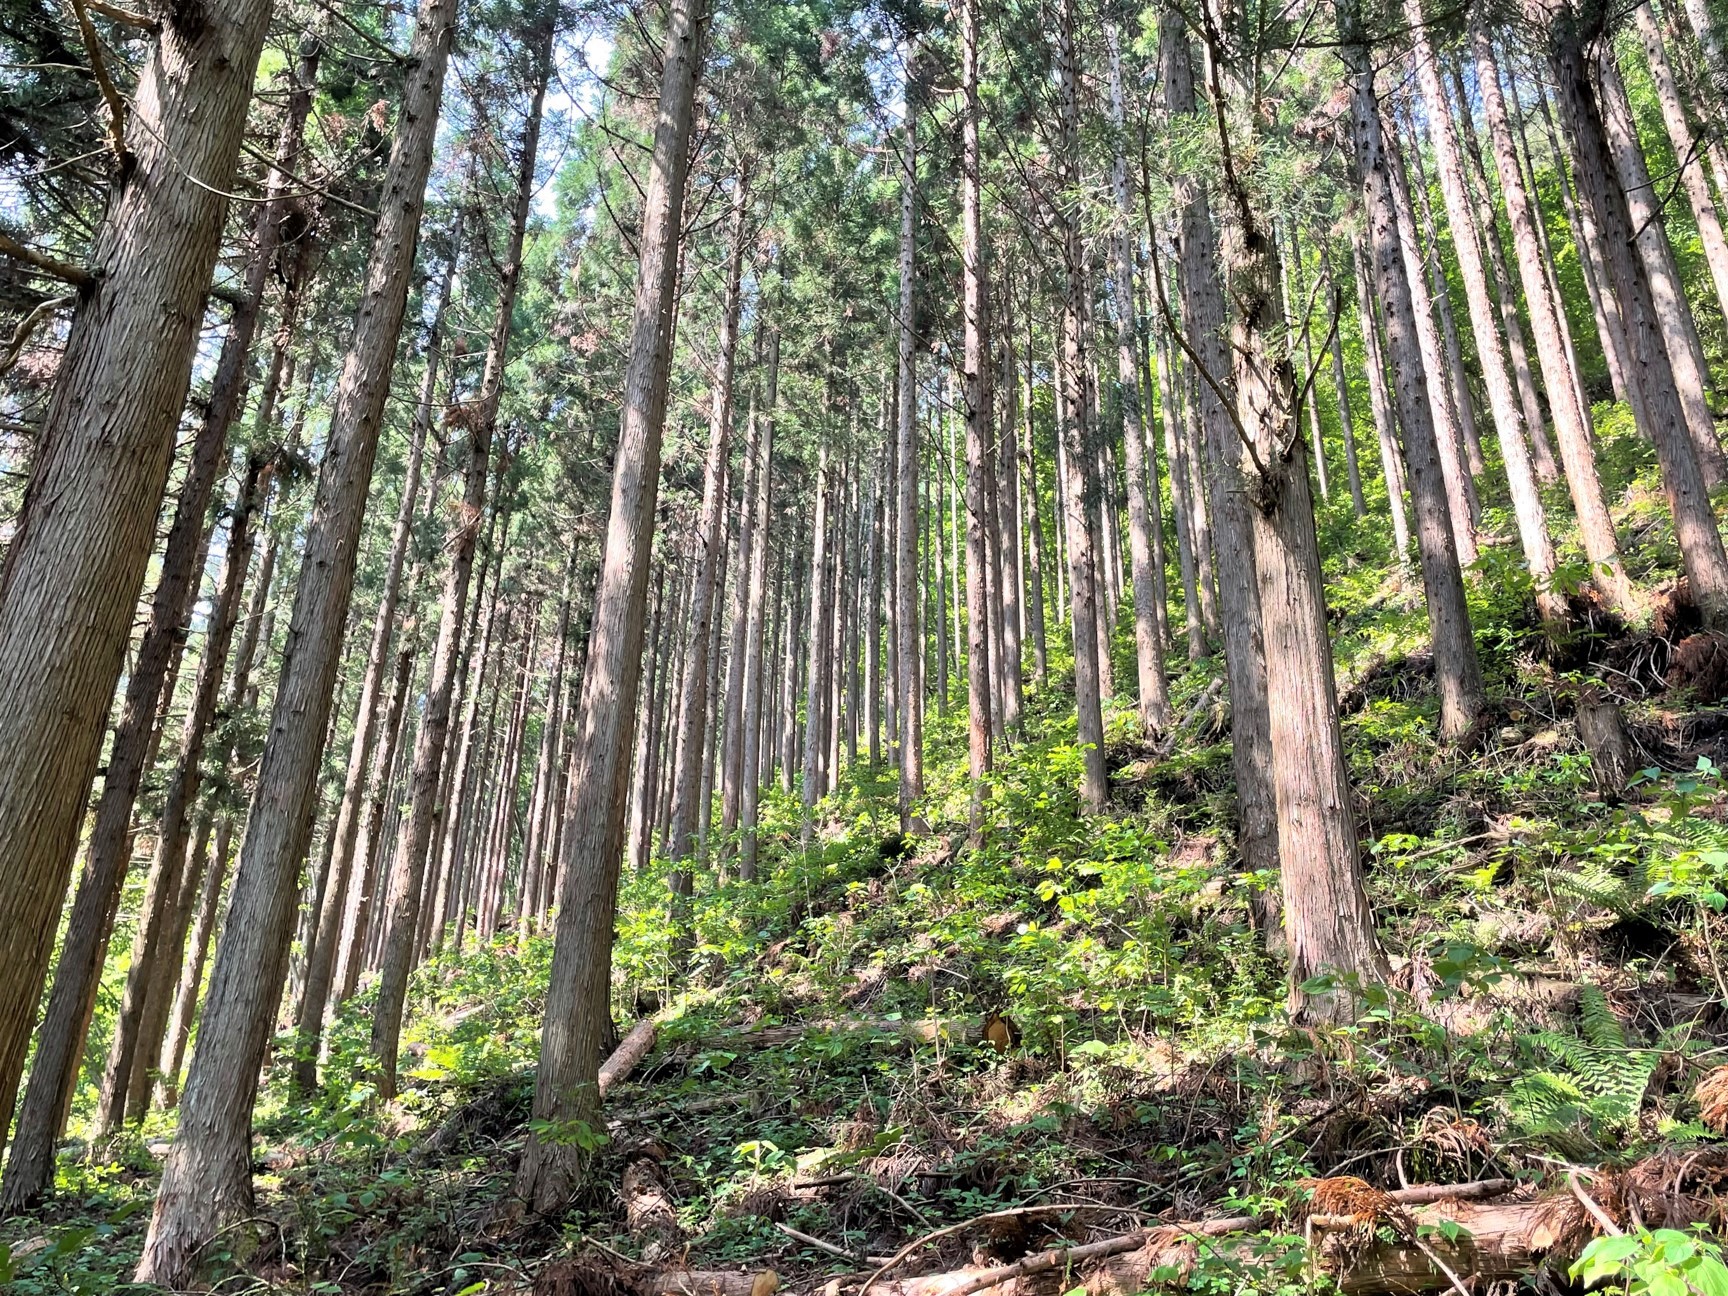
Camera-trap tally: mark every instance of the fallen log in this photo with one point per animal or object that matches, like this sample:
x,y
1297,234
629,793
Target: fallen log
x,y
1439,1228
633,1048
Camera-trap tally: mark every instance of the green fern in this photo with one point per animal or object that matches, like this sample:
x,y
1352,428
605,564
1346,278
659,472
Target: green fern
x,y
1597,1082
1608,884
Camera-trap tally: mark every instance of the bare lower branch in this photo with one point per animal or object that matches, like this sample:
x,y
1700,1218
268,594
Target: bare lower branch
x,y
64,271
27,326
104,83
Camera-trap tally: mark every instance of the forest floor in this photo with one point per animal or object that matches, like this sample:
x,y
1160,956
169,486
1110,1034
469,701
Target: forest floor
x,y
874,1043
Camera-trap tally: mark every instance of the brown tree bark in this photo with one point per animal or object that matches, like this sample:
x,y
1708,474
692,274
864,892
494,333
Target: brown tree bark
x,y
1083,582
84,536
1457,673
753,710
577,1013
1203,309
207,1182
1673,311
906,609
1502,400
321,959
691,727
1154,688
1327,922
1571,421
977,405
1650,375
1380,399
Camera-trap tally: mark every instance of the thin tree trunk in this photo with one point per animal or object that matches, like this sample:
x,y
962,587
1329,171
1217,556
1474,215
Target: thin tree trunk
x,y
906,618
1154,689
1502,400
1650,375
1341,394
577,1017
1571,422
1082,565
1176,456
1673,312
321,959
1385,421
1457,673
753,711
1034,526
206,1183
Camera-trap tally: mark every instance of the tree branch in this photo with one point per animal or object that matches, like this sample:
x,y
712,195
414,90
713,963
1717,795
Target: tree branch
x,y
64,271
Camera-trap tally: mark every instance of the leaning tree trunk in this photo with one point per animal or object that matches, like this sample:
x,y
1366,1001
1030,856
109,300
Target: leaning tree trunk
x,y
1457,672
1650,375
1571,420
1232,513
321,958
85,534
577,1013
1673,311
206,1183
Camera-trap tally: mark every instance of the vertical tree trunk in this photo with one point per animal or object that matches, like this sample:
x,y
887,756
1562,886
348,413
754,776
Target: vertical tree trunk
x,y
1650,374
1571,421
1176,455
1154,689
753,711
1008,550
206,1182
84,537
978,406
691,729
1341,393
1326,916
1082,566
906,620
1202,296
1457,673
815,734
732,776
535,860
577,1015
1385,420
1034,526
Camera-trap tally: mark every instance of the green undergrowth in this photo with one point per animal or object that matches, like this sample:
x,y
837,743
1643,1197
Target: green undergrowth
x,y
1556,991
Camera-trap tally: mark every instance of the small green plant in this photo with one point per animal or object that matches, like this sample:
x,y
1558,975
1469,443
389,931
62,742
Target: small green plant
x,y
1663,1262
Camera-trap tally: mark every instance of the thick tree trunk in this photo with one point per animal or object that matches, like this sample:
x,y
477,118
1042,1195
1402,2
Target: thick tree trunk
x,y
1457,673
1203,309
577,1013
84,536
207,1181
1650,375
1571,421
1327,921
